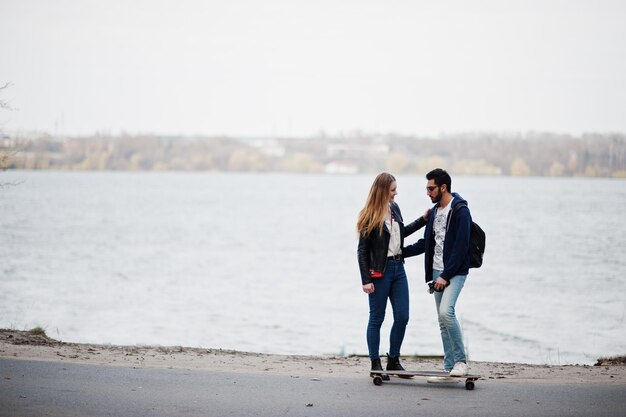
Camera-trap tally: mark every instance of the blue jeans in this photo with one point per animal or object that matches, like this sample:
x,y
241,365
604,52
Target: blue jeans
x,y
395,287
445,301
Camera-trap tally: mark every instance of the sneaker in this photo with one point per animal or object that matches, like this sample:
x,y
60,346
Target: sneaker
x,y
441,379
460,369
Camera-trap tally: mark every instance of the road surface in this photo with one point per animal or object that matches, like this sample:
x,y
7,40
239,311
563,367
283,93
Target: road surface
x,y
38,388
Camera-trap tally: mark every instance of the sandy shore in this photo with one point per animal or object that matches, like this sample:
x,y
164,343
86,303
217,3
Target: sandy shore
x,y
27,345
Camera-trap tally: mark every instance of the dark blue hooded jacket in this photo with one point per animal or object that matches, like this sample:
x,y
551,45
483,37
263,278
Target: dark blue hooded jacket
x,y
455,246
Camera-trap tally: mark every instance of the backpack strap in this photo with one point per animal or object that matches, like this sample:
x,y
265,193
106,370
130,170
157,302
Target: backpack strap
x,y
453,209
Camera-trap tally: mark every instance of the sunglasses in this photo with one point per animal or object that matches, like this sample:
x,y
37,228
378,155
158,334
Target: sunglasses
x,y
431,188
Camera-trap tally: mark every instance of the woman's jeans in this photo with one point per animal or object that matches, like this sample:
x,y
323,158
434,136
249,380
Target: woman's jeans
x,y
445,301
395,287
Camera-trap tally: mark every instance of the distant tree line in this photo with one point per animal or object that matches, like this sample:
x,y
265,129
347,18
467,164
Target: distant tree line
x,y
530,154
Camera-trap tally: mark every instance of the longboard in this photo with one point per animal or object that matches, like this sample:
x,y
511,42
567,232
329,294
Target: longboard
x,y
377,376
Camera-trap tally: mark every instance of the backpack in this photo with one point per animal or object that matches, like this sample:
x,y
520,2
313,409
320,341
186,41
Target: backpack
x,y
476,243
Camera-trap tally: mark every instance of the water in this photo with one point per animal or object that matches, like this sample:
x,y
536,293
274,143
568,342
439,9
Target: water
x,y
267,263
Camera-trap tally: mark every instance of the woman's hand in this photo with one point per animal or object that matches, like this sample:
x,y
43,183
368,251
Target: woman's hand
x,y
368,288
426,214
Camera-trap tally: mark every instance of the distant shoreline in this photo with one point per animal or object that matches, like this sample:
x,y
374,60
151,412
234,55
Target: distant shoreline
x,y
35,345
533,154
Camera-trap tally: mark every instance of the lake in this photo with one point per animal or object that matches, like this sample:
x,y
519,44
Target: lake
x,y
267,263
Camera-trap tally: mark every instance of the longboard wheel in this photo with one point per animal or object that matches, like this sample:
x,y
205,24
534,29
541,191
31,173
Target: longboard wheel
x,y
378,380
469,385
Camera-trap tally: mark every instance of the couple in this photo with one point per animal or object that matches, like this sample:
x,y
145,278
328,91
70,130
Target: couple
x,y
381,254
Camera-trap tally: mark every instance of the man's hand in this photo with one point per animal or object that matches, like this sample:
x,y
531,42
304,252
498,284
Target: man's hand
x,y
440,284
368,288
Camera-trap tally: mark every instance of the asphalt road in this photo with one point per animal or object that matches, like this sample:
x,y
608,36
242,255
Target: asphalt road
x,y
34,388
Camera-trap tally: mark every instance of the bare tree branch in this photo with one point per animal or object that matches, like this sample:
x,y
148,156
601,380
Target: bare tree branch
x,y
6,153
7,184
5,160
4,104
5,157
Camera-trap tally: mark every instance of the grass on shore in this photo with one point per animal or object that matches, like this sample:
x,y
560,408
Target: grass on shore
x,y
38,331
613,360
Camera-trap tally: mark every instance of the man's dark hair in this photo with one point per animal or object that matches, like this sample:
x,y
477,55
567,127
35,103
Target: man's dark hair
x,y
441,177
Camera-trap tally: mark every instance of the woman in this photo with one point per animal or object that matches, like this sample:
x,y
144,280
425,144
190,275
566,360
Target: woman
x,y
381,238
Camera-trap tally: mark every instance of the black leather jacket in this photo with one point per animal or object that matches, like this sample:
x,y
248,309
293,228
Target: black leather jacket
x,y
372,249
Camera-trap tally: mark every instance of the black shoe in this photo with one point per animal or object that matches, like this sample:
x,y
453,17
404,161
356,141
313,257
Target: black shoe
x,y
376,366
393,364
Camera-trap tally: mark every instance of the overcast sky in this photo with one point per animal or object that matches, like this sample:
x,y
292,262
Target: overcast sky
x,y
295,68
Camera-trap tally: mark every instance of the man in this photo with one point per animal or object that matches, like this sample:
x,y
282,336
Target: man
x,y
446,248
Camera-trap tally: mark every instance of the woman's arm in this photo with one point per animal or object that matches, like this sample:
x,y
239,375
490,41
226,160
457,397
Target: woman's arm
x,y
415,249
363,258
417,224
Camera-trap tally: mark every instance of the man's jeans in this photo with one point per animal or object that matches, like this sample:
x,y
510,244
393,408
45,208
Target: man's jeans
x,y
453,348
393,286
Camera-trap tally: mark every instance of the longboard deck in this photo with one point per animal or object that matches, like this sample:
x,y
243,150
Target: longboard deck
x,y
469,378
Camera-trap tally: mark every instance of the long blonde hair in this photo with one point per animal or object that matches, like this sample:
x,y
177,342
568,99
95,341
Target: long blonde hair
x,y
372,216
